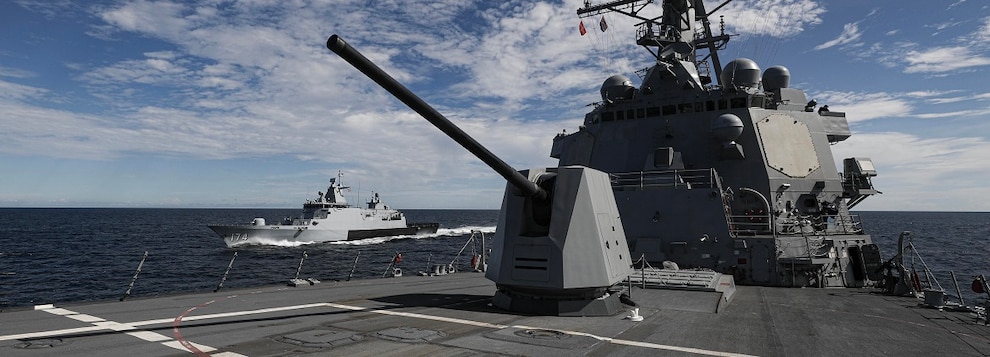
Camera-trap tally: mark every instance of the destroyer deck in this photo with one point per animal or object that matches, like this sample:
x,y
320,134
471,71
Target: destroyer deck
x,y
451,316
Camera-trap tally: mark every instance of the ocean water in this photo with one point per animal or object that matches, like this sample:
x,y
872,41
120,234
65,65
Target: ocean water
x,y
67,255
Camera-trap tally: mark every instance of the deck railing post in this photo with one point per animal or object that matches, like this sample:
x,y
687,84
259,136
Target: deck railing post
x,y
133,279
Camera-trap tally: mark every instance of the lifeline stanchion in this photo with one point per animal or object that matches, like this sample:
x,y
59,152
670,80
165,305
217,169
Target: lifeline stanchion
x,y
131,285
231,264
395,260
296,281
299,269
962,302
353,267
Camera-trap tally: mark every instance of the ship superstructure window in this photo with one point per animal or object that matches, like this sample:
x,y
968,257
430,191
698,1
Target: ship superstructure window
x,y
641,113
669,109
710,106
630,114
608,116
653,111
739,102
722,104
620,115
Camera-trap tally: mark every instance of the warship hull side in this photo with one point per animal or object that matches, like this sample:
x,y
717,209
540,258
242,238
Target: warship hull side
x,y
451,315
238,235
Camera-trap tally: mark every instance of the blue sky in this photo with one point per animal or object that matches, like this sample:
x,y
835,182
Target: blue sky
x,y
240,104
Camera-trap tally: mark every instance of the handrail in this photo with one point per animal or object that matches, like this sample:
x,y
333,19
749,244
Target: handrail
x,y
689,179
826,225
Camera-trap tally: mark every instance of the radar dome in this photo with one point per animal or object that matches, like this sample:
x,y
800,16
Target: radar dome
x,y
741,72
776,77
617,87
727,128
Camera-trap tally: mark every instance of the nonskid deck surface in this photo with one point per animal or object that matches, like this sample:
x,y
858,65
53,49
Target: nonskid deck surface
x,y
451,316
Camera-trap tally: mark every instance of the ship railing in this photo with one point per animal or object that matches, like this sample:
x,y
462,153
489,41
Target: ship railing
x,y
677,179
826,225
748,224
822,225
653,34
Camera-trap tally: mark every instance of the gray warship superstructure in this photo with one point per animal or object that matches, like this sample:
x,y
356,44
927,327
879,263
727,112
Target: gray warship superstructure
x,y
328,218
729,170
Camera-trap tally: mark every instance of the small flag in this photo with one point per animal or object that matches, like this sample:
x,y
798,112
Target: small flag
x,y
602,24
582,29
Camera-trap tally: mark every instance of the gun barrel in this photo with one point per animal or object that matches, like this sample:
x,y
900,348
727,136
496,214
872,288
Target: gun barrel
x,y
363,64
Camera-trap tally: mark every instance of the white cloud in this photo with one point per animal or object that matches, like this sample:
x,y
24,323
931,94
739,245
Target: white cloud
x,y
16,91
15,73
866,106
983,34
850,33
776,18
913,171
943,59
953,114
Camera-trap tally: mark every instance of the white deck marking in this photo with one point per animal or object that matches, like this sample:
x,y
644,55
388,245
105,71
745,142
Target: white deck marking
x,y
656,346
100,324
50,333
177,345
85,318
149,336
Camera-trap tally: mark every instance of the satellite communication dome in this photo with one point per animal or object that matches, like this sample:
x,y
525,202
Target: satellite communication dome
x,y
727,128
617,87
741,72
776,77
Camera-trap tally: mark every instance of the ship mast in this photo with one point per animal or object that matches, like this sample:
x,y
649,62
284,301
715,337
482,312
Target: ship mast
x,y
673,33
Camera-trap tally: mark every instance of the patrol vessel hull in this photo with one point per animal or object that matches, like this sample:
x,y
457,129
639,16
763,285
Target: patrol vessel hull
x,y
268,234
327,218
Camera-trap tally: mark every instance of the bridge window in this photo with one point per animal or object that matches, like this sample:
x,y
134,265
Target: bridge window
x,y
653,111
739,102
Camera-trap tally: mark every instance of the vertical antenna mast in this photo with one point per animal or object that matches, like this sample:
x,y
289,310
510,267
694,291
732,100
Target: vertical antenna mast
x,y
673,33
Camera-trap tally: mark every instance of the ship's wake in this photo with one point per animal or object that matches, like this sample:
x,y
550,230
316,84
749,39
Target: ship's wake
x,y
442,232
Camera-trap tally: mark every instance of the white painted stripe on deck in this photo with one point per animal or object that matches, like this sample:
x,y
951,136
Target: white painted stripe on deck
x,y
58,311
149,336
655,346
100,324
51,333
175,344
252,312
116,326
85,318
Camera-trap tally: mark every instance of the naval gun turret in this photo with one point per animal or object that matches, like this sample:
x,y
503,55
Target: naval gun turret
x,y
559,245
